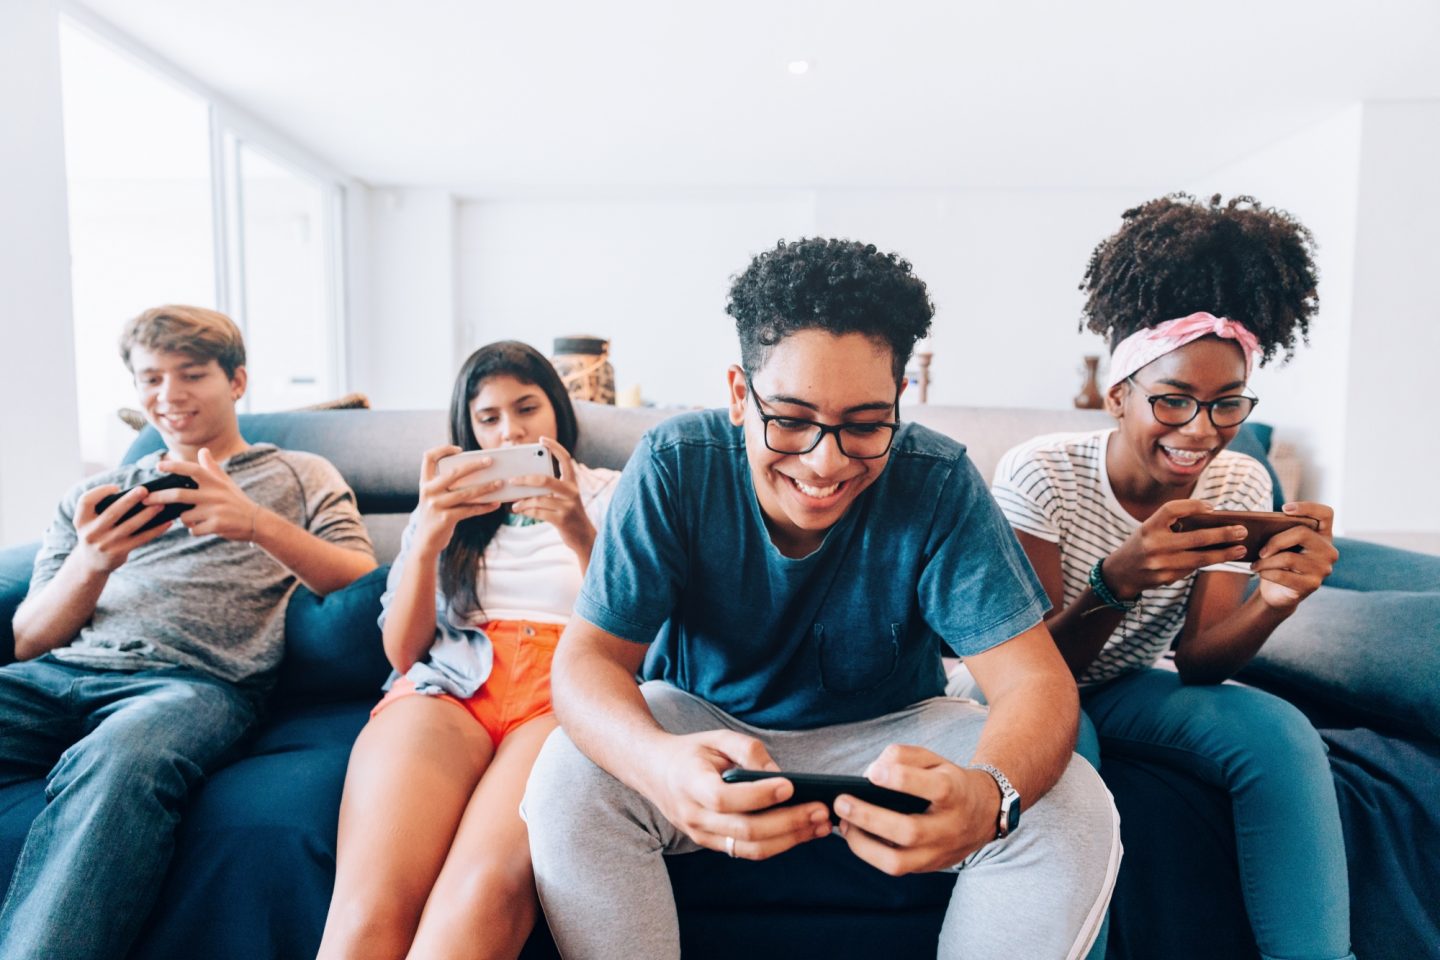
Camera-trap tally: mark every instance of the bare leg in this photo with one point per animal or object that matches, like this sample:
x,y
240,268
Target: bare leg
x,y
484,904
411,775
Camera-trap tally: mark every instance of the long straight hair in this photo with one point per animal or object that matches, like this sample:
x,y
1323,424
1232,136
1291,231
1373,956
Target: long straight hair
x,y
463,558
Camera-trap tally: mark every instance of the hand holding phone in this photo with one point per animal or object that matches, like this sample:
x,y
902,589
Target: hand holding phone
x,y
1179,538
824,788
1259,526
167,514
108,526
505,464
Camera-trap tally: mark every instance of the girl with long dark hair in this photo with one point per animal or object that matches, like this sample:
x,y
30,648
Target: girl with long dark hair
x,y
433,856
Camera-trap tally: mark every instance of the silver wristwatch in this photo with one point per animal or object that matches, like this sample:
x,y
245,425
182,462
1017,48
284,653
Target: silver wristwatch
x,y
1009,817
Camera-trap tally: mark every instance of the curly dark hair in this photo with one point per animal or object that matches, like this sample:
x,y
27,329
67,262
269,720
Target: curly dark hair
x,y
839,286
1176,255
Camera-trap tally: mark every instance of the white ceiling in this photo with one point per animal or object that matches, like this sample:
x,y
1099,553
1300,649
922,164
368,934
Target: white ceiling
x,y
492,98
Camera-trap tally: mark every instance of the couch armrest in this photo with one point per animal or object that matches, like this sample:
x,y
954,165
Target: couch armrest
x,y
16,565
1367,566
1361,648
1368,657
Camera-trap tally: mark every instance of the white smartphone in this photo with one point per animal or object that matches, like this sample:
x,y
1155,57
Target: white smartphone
x,y
527,459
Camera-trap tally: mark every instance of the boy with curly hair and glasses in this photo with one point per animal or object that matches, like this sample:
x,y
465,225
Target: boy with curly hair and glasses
x,y
785,575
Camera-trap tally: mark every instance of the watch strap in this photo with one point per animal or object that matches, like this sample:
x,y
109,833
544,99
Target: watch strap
x,y
1009,815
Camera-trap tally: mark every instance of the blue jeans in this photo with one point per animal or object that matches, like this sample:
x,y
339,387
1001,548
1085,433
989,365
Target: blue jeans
x,y
122,751
1268,757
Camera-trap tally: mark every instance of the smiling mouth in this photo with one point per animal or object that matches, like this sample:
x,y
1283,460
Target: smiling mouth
x,y
1185,458
817,493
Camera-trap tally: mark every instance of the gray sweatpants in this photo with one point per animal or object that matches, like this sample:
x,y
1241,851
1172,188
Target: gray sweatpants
x,y
597,845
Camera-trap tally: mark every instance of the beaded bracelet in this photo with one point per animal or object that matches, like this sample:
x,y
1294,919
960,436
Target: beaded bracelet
x,y
1104,594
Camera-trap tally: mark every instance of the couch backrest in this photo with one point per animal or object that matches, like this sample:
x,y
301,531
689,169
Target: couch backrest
x,y
988,432
378,451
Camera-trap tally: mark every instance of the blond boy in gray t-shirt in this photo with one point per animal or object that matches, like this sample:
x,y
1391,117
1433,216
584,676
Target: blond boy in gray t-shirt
x,y
144,651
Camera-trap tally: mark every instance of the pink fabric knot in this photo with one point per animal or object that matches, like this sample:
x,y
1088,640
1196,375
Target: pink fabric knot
x,y
1150,343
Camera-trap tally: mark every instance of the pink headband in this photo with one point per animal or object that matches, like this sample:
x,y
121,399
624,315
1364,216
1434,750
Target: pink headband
x,y
1151,343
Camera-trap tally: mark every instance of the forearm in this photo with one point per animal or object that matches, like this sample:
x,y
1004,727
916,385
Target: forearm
x,y
1218,651
1030,734
323,567
601,708
583,551
55,615
1081,630
410,618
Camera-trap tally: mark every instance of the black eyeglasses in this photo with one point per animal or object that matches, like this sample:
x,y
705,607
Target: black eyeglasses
x,y
1178,409
794,435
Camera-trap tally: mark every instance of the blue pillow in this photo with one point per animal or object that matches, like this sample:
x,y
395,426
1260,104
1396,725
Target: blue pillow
x,y
1371,654
333,649
1253,440
16,565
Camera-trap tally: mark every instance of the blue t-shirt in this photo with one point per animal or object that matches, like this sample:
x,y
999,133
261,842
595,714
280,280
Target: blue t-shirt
x,y
851,632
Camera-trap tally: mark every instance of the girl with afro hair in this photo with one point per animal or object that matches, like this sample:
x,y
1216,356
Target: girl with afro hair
x,y
1192,296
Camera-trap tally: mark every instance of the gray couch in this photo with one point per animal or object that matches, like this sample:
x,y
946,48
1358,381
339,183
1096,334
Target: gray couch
x,y
255,859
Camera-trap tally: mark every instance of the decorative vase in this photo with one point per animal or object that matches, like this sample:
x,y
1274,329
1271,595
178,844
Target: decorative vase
x,y
583,363
1089,397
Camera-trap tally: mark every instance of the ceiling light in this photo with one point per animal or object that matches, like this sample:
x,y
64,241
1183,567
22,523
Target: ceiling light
x,y
798,67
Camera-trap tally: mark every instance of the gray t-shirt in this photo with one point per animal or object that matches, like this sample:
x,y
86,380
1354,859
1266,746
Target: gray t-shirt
x,y
210,604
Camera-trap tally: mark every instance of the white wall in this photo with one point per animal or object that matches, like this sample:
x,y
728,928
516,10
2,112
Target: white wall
x,y
650,272
1392,454
1004,269
39,445
1355,402
403,334
1314,174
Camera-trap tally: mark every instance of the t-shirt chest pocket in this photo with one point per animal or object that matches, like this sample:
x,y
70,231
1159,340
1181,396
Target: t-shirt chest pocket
x,y
855,658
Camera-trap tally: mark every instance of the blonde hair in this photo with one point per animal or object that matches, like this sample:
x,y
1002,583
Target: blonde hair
x,y
193,331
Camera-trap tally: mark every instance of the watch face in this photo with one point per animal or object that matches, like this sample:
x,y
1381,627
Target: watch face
x,y
1012,816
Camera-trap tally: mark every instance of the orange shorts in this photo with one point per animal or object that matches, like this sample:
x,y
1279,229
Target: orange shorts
x,y
518,688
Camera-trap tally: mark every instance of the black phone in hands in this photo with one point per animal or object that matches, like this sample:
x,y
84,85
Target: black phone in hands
x,y
1260,526
167,514
825,787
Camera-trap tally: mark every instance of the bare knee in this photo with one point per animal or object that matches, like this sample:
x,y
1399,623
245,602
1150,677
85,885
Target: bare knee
x,y
368,929
492,885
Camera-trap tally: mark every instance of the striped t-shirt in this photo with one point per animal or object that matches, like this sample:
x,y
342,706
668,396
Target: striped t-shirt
x,y
1056,488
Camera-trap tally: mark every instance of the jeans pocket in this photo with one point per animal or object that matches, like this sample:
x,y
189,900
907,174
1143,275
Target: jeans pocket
x,y
856,661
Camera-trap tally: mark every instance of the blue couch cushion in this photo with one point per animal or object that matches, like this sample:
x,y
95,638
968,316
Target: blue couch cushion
x,y
822,874
333,649
20,803
1386,788
255,856
1177,895
16,566
1371,654
1372,566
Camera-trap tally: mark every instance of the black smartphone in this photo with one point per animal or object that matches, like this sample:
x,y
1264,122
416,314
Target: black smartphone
x,y
167,514
1260,526
825,787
